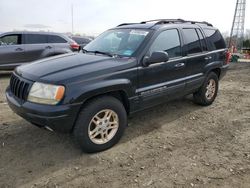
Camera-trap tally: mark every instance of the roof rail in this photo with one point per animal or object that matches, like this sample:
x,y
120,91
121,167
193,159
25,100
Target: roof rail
x,y
166,21
126,24
205,23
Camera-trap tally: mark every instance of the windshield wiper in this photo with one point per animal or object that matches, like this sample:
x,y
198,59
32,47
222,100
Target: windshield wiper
x,y
98,52
84,51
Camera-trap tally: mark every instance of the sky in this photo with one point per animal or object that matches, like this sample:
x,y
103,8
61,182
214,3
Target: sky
x,y
92,17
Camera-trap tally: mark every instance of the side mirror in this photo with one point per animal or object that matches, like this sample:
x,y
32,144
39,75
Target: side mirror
x,y
156,57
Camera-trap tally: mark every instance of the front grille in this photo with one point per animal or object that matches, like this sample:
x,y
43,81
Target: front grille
x,y
19,87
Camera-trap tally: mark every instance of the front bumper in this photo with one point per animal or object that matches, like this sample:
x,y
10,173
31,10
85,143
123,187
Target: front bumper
x,y
59,118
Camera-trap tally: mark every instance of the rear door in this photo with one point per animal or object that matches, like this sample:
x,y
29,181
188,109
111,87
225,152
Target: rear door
x,y
37,46
216,45
11,49
59,44
196,57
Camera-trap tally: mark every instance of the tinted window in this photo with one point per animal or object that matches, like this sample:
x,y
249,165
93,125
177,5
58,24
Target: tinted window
x,y
10,40
202,40
56,39
192,41
81,40
36,39
168,41
215,38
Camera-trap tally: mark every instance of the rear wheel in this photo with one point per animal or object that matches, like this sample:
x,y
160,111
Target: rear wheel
x,y
208,91
100,124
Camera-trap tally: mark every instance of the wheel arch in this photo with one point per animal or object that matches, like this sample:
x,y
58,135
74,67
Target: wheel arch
x,y
214,67
217,71
121,95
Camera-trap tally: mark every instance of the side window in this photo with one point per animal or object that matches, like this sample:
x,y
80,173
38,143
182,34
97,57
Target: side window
x,y
10,40
168,41
192,41
215,39
202,40
36,39
56,39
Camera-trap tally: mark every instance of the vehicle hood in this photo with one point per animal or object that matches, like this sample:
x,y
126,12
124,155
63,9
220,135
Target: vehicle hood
x,y
73,66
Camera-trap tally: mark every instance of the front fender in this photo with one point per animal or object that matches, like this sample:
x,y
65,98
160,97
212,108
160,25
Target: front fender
x,y
82,93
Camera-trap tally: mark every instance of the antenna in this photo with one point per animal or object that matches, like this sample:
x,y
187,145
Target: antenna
x,y
72,19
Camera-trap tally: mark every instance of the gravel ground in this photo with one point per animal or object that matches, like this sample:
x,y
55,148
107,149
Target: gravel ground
x,y
177,144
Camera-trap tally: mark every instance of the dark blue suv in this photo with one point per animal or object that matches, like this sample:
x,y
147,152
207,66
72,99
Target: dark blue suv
x,y
126,69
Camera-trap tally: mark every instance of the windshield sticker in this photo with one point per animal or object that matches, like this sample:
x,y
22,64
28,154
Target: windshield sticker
x,y
127,52
138,32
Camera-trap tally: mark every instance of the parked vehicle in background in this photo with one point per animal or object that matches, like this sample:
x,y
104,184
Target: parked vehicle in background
x,y
82,41
17,48
124,70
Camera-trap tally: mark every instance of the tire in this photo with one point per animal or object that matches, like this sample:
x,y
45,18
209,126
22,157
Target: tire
x,y
201,97
92,120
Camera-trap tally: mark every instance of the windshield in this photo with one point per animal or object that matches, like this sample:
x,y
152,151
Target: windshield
x,y
122,42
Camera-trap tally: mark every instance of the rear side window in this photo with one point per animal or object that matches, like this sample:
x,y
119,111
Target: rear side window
x,y
36,39
192,41
202,40
168,41
10,39
56,39
215,39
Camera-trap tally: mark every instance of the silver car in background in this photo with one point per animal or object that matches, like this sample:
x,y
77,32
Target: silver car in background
x,y
17,48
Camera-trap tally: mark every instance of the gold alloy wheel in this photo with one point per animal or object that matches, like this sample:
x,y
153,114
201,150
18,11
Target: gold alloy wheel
x,y
211,88
103,126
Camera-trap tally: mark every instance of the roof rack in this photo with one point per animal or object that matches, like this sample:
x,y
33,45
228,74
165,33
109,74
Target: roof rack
x,y
126,24
164,21
204,22
167,21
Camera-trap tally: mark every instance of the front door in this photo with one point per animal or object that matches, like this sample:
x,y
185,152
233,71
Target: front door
x,y
163,80
12,51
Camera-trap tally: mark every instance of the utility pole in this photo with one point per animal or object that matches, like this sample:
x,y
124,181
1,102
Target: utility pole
x,y
237,30
72,19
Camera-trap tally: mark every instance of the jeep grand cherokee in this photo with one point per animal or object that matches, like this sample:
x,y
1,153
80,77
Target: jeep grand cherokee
x,y
126,69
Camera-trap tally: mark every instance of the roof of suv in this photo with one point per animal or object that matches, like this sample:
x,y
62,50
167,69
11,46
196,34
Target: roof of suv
x,y
67,38
156,24
33,32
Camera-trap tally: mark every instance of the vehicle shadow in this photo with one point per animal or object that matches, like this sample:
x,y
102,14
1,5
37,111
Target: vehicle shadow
x,y
5,74
154,118
29,152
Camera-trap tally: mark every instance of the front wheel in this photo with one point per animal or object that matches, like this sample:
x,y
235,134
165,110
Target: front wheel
x,y
100,124
208,91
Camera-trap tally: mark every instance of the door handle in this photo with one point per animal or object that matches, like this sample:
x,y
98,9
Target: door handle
x,y
179,65
48,47
208,58
19,49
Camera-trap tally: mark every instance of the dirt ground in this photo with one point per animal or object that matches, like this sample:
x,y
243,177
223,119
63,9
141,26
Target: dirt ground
x,y
178,144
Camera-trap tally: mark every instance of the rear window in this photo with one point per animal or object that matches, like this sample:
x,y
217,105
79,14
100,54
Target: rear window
x,y
215,39
36,39
81,40
56,39
192,41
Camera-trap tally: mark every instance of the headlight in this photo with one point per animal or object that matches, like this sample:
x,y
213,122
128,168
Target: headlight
x,y
46,93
